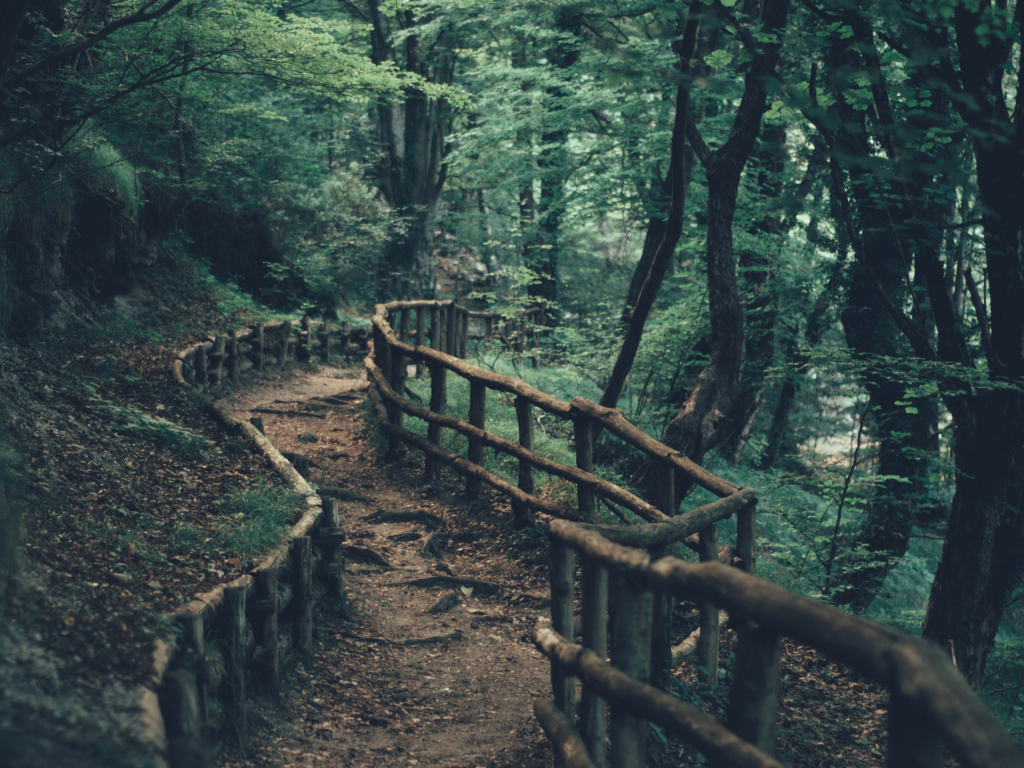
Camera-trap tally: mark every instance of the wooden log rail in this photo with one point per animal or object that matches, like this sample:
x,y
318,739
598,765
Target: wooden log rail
x,y
630,582
930,704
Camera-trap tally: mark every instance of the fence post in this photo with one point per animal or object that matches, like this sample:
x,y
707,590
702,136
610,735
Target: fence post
x,y
397,416
664,602
306,340
234,603
746,538
913,740
260,342
522,514
335,564
286,332
438,401
584,434
302,593
708,552
753,698
475,452
234,356
219,353
451,329
631,654
201,367
403,325
270,669
327,341
464,352
421,336
192,639
593,710
563,567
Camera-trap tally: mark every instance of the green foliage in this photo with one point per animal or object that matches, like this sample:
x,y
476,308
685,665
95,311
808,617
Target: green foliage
x,y
254,520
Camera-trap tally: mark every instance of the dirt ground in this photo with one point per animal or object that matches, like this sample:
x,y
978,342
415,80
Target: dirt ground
x,y
392,683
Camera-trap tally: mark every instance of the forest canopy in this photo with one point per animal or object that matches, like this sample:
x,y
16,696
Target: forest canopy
x,y
786,238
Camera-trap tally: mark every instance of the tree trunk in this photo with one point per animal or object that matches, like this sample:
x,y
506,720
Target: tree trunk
x,y
662,233
981,561
702,421
414,134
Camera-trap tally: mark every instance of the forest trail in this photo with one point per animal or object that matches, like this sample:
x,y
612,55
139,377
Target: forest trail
x,y
381,687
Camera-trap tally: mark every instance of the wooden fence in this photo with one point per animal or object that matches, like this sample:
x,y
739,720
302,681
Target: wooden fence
x,y
224,357
629,584
242,631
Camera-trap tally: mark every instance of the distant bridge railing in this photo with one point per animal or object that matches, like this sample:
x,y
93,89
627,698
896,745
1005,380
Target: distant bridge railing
x,y
627,575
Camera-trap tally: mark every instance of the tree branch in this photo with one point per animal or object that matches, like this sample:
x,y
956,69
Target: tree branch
x,y
138,17
697,143
994,363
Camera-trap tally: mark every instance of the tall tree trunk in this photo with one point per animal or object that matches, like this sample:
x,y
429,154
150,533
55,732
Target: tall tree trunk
x,y
702,421
414,134
981,561
662,233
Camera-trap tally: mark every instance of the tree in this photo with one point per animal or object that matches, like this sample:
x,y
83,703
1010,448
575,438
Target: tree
x,y
961,52
413,133
702,422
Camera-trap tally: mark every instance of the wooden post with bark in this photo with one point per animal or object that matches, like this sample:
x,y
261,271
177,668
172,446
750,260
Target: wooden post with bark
x,y
302,593
421,336
397,381
306,339
583,432
563,568
234,357
475,452
334,564
664,602
593,709
438,402
754,696
914,741
182,727
522,514
218,354
234,604
286,332
464,337
192,641
200,362
631,654
269,668
709,624
451,329
260,346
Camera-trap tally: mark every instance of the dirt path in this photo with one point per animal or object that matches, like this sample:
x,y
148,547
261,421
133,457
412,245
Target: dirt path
x,y
381,688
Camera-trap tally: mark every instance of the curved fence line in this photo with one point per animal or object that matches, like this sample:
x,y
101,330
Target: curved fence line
x,y
261,617
629,584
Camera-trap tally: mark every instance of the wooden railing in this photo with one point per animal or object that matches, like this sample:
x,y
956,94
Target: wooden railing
x,y
224,357
628,575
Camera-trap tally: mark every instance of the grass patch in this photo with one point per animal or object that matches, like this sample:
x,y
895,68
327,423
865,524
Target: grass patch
x,y
254,520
